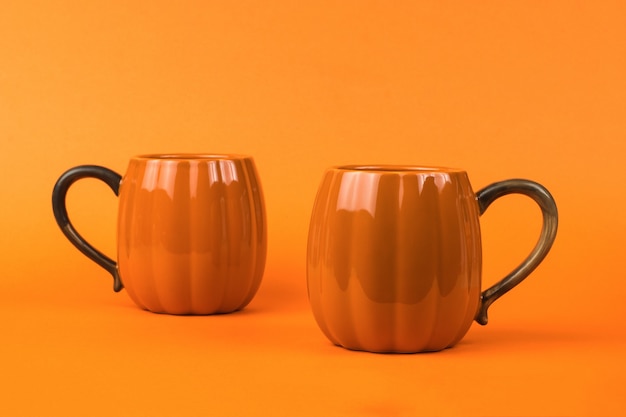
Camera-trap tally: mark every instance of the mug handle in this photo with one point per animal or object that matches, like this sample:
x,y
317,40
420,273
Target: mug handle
x,y
59,193
542,197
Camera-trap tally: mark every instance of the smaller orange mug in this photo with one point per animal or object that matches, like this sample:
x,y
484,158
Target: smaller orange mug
x,y
192,234
394,255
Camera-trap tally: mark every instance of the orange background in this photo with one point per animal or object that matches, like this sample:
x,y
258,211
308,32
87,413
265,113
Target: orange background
x,y
501,89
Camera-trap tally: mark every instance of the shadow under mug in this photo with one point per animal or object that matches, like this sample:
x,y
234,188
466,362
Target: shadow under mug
x,y
192,234
394,255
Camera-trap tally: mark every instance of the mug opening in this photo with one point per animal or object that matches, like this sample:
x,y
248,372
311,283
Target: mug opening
x,y
398,168
191,156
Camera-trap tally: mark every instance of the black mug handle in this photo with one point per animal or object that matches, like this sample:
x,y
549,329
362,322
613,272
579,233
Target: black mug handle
x,y
542,197
59,193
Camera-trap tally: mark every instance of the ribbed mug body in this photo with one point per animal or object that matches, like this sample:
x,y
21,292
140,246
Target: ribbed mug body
x,y
192,233
394,258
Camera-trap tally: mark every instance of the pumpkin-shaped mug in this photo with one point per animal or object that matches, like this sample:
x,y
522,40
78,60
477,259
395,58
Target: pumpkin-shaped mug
x,y
394,255
191,231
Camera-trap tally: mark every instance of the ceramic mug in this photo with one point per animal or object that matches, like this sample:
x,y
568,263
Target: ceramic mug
x,y
192,234
394,255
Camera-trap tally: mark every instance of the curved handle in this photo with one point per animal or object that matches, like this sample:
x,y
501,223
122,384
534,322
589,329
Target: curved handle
x,y
542,197
112,179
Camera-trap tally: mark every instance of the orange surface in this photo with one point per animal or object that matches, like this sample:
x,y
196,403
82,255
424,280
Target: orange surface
x,y
500,89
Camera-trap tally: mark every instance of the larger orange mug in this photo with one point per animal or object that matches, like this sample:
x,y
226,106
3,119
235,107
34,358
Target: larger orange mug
x,y
192,235
394,255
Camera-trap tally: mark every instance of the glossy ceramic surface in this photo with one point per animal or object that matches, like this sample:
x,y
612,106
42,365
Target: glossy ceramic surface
x,y
394,257
192,235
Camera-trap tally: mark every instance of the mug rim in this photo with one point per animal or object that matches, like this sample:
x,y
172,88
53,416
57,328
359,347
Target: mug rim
x,y
190,156
391,168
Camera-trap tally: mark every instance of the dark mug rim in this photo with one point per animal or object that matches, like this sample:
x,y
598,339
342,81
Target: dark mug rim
x,y
191,157
388,168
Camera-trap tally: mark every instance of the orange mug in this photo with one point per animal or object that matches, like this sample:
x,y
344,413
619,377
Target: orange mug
x,y
394,255
192,234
